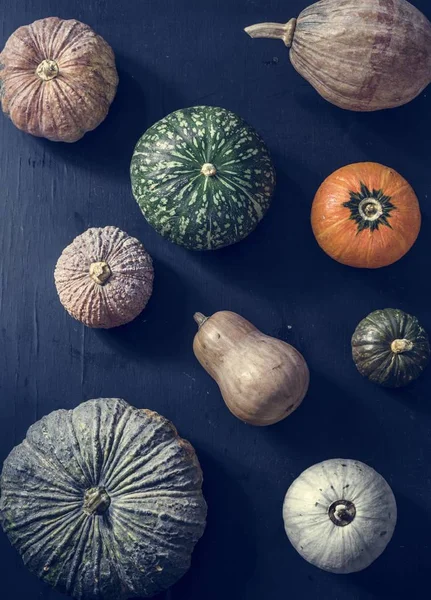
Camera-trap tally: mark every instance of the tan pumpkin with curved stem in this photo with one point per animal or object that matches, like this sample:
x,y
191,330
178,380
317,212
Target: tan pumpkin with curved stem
x,y
262,379
360,55
57,79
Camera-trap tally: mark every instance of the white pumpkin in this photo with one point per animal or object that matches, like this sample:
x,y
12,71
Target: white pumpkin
x,y
340,515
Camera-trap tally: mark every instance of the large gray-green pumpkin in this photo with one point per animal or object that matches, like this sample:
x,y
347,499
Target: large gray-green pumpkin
x,y
104,502
202,177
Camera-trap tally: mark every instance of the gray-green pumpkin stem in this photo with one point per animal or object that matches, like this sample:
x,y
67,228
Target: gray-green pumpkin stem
x,y
200,319
276,31
96,501
400,346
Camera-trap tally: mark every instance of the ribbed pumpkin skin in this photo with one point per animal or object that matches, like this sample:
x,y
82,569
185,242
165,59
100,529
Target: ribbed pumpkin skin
x,y
187,207
372,353
65,107
143,541
127,289
363,55
320,541
347,235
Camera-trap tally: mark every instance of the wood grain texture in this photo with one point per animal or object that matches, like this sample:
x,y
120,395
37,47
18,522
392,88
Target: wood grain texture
x,y
171,54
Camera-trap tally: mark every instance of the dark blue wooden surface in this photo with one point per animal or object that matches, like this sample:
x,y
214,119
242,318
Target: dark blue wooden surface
x,y
172,54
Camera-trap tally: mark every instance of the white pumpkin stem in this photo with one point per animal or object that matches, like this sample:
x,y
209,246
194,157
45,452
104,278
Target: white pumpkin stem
x,y
200,319
276,31
342,512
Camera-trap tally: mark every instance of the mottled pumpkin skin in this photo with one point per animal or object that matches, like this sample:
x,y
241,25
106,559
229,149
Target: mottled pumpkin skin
x,y
363,55
372,348
140,541
124,293
343,230
61,107
198,211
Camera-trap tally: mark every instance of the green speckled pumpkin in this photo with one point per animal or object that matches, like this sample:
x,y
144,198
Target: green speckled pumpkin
x,y
104,502
390,347
202,177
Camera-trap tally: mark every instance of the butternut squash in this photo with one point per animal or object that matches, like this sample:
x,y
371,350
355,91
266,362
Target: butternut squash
x,y
262,379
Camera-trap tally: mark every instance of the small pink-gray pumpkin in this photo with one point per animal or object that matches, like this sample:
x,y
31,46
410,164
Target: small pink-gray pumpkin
x,y
104,278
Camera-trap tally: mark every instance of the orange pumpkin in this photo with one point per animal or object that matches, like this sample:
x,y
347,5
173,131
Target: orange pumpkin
x,y
366,215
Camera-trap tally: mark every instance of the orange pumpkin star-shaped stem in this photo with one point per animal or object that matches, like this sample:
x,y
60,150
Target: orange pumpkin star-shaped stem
x,y
366,215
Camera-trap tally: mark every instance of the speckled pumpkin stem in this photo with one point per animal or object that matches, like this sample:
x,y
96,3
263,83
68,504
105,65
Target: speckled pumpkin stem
x,y
400,346
200,319
276,31
208,169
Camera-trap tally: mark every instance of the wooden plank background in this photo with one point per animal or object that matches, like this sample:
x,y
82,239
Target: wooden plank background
x,y
172,54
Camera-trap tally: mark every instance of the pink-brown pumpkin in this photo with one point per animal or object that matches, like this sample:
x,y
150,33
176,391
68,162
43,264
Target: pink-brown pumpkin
x,y
104,278
57,79
360,55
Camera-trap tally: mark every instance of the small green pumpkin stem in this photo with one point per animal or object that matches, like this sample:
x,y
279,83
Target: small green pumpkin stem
x,y
400,346
200,319
276,31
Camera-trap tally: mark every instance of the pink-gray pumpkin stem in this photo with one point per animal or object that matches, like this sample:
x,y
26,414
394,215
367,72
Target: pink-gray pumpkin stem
x,y
276,31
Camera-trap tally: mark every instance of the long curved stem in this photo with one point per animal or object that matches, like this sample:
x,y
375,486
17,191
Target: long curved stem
x,y
276,31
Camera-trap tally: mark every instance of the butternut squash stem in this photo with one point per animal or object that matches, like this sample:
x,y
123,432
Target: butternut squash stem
x,y
200,319
276,31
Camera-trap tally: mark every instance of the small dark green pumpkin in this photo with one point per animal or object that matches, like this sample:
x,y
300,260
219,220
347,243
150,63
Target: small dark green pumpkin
x,y
202,177
104,502
390,348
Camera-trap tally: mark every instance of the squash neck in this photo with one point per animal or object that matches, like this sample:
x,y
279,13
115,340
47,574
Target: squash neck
x,y
276,31
96,501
